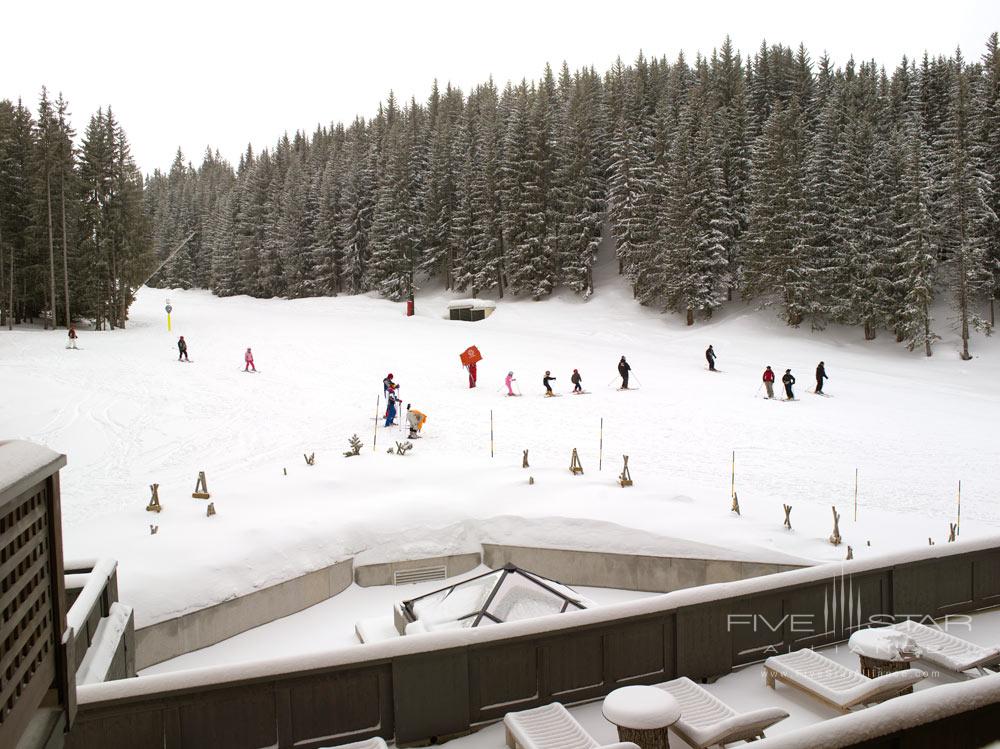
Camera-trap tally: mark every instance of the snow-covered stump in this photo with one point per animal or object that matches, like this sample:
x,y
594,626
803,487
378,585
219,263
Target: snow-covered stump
x,y
835,536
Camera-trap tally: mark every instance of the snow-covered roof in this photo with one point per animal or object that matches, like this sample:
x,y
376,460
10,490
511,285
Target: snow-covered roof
x,y
472,303
23,464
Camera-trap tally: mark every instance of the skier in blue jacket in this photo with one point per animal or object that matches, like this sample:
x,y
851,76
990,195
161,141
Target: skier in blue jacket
x,y
390,411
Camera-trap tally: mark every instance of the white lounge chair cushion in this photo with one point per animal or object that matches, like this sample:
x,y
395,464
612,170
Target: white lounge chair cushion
x,y
835,683
707,720
552,727
945,649
373,743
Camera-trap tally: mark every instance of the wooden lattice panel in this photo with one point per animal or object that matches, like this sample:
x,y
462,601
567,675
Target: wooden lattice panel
x,y
27,641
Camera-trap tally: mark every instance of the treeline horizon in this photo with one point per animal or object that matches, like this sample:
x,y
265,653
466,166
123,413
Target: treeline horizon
x,y
74,234
858,194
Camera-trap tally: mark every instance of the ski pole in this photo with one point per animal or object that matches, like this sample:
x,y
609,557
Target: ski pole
x,y
638,384
758,389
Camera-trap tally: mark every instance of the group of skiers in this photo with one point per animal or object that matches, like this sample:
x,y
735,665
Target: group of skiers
x,y
415,419
182,352
788,380
576,378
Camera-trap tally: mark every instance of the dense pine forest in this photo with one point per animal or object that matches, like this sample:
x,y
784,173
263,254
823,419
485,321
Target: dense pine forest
x,y
854,194
75,240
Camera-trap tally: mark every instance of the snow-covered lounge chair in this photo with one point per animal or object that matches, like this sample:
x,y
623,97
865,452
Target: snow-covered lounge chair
x,y
837,686
948,651
551,727
707,721
372,743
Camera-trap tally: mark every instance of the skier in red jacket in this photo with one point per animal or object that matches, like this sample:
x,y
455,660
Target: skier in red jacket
x,y
248,358
769,381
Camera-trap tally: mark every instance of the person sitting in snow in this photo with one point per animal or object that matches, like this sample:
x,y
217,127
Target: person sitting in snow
x,y
545,381
248,358
577,381
508,380
416,420
182,349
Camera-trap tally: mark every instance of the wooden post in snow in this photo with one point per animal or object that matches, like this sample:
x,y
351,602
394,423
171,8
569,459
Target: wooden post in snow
x,y
958,519
600,447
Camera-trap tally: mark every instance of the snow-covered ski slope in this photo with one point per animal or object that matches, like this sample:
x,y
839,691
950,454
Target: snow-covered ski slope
x,y
128,414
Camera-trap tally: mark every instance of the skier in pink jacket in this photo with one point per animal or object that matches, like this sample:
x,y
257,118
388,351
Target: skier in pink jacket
x,y
507,381
248,358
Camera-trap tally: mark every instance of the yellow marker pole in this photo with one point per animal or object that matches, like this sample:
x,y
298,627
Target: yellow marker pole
x,y
168,322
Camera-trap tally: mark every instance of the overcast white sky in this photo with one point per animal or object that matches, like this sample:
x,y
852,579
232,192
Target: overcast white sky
x,y
193,74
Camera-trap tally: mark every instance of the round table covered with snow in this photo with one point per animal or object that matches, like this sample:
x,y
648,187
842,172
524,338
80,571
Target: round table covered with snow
x,y
643,715
884,651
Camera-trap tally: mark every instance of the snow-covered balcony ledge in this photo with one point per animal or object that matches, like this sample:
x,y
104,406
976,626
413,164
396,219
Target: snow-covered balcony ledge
x,y
430,642
103,629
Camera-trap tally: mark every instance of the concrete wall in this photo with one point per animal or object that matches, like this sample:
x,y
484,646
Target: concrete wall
x,y
624,571
382,574
168,639
199,629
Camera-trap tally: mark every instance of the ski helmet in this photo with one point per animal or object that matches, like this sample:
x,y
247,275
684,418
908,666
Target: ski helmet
x,y
390,375
510,373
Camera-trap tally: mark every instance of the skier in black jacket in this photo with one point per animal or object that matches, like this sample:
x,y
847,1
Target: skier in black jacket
x,y
182,349
820,376
577,381
623,370
710,355
788,380
545,381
